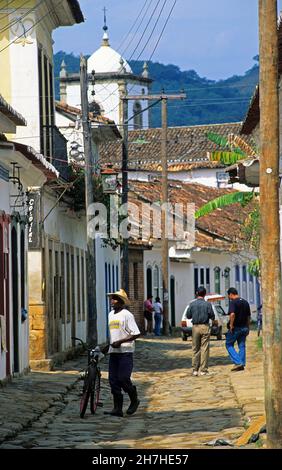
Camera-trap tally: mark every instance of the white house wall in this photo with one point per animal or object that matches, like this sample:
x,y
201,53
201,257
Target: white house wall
x,y
73,94
226,260
67,229
111,258
107,96
183,273
6,190
184,288
206,177
4,196
138,90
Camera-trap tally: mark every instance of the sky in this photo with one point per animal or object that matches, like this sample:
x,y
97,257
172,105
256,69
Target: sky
x,y
216,38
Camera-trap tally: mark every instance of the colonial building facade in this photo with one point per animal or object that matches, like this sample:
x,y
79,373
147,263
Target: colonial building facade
x,y
21,169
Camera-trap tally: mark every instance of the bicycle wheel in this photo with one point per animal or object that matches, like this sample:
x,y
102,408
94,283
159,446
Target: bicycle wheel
x,y
95,392
86,390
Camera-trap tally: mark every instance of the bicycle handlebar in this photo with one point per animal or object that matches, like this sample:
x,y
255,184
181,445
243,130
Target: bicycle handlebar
x,y
88,348
85,345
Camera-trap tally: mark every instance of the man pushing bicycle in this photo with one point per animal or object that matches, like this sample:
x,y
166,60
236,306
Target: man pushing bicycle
x,y
123,332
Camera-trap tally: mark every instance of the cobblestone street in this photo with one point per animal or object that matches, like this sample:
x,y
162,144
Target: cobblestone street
x,y
177,411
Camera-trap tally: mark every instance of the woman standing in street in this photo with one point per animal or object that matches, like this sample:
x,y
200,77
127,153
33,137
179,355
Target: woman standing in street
x,y
158,309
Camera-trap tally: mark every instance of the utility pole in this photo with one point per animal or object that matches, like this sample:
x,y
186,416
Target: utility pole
x,y
164,219
124,111
270,225
89,199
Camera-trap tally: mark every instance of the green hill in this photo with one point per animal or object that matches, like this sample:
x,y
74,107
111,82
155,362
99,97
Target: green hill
x,y
207,102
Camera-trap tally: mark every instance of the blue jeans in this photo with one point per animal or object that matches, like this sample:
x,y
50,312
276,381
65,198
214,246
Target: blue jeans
x,y
158,322
239,334
120,369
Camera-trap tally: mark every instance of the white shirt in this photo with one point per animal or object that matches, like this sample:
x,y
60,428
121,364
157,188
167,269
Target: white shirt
x,y
158,308
121,325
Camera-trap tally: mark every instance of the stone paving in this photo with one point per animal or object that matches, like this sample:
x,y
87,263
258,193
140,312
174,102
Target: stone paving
x,y
177,411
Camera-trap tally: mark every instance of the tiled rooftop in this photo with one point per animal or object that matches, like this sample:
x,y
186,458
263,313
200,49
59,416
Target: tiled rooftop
x,y
217,230
185,145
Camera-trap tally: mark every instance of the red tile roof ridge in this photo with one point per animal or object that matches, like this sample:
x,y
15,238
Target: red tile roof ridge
x,y
77,111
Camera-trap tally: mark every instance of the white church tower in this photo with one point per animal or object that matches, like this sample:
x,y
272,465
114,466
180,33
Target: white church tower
x,y
113,78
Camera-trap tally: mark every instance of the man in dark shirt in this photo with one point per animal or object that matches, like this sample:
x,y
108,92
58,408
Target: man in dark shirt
x,y
201,313
240,314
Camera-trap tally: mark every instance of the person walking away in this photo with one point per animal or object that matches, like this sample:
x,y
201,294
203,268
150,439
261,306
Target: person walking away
x,y
123,332
158,309
239,324
148,314
201,313
259,319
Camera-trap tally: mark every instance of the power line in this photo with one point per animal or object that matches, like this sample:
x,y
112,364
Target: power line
x,y
8,3
146,27
134,25
154,27
18,20
148,42
160,36
31,27
119,46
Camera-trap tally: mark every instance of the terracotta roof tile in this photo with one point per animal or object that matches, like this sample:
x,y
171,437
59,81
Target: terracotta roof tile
x,y
13,115
185,145
60,106
217,230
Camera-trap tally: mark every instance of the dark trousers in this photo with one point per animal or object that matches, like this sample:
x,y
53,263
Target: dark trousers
x,y
120,369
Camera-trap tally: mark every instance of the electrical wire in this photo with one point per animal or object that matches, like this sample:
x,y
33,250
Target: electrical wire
x,y
160,36
144,48
139,42
31,27
137,18
154,27
7,3
18,20
147,25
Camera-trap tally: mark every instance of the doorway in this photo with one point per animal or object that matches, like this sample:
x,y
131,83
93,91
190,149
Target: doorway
x,y
149,282
15,287
172,300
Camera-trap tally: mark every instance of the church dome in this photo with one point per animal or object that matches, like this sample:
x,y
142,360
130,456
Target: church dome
x,y
106,59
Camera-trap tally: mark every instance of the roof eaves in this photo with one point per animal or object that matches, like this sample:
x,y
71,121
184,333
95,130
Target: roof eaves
x,y
76,11
13,115
38,160
253,114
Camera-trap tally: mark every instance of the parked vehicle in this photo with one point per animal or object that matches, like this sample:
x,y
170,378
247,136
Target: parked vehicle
x,y
221,318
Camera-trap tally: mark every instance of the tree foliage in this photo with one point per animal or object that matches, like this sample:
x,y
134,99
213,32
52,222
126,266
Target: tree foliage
x,y
224,201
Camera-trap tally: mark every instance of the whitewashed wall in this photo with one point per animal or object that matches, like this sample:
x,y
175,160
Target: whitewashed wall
x,y
204,176
111,258
183,273
108,98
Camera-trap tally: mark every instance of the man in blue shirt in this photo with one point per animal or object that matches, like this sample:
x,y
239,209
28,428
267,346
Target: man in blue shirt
x,y
239,323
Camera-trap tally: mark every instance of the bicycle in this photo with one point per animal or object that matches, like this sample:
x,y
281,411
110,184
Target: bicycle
x,y
92,379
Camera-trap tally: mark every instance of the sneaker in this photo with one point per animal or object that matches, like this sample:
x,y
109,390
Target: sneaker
x,y
204,372
237,368
195,373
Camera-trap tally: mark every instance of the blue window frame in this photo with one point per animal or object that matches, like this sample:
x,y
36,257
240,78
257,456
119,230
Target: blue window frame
x,y
117,279
113,274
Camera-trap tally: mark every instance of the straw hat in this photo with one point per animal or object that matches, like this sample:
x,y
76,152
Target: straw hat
x,y
122,295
